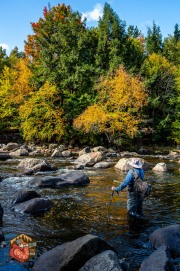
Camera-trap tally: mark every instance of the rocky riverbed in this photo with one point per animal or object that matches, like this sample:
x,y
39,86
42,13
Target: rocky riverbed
x,y
73,197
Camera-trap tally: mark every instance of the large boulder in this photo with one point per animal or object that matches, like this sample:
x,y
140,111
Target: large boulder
x,y
11,146
20,152
73,255
24,195
29,163
158,261
65,179
106,261
73,178
123,164
34,206
169,236
32,165
43,166
162,167
173,155
89,159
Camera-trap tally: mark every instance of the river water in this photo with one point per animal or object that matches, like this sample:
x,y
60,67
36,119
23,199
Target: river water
x,y
91,209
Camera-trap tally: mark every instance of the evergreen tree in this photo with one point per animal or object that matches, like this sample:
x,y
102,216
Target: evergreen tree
x,y
171,46
133,31
111,40
176,33
154,39
3,59
135,50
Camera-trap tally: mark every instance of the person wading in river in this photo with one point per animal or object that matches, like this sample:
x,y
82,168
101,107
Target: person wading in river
x,y
135,201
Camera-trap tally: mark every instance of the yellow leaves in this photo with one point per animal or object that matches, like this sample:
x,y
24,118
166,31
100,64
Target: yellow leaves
x,y
122,91
156,63
21,85
121,97
93,119
14,88
40,118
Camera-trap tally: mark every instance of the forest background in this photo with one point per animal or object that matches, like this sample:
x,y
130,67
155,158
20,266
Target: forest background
x,y
108,84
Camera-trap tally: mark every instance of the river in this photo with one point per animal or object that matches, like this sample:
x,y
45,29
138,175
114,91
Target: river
x,y
90,209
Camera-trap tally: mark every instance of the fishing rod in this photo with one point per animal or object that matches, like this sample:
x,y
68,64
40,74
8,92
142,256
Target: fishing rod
x,y
111,197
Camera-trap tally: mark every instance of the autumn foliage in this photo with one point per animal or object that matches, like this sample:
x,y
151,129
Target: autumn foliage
x,y
120,100
108,82
41,118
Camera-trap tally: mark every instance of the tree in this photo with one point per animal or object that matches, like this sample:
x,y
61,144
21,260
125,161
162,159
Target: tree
x,y
171,46
161,81
111,40
175,131
176,33
117,112
62,51
135,55
41,119
3,59
133,31
14,88
14,56
154,39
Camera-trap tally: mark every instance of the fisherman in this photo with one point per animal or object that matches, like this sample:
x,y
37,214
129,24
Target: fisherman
x,y
135,201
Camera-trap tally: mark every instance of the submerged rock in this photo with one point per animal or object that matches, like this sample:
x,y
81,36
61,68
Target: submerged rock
x,y
24,195
103,164
34,206
65,179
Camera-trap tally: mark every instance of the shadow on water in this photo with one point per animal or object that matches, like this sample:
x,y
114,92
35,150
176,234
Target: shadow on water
x,y
91,209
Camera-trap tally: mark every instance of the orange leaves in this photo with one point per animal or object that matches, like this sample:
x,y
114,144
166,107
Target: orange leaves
x,y
31,48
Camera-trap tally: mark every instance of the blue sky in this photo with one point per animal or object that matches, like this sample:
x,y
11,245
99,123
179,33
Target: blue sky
x,y
16,15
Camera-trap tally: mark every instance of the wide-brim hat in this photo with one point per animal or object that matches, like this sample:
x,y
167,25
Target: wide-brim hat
x,y
135,163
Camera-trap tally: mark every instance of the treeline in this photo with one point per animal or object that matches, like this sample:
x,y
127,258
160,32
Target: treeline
x,y
106,84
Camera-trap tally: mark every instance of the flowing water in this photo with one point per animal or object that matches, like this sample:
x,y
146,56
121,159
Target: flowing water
x,y
90,209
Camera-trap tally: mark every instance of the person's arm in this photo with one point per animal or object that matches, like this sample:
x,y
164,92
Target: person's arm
x,y
127,180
